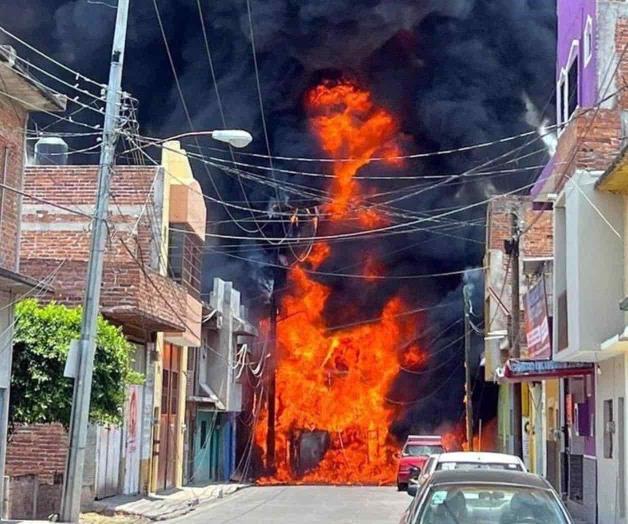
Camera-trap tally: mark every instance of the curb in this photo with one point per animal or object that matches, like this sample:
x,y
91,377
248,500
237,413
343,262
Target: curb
x,y
171,510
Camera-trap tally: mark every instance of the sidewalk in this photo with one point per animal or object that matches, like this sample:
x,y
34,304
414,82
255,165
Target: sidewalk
x,y
164,506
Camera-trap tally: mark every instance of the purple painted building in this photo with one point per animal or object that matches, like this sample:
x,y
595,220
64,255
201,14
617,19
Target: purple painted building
x,y
591,64
575,54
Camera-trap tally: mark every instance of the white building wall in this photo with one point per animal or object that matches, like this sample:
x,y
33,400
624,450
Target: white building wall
x,y
589,235
611,385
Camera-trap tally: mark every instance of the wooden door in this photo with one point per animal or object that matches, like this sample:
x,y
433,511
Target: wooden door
x,y
168,420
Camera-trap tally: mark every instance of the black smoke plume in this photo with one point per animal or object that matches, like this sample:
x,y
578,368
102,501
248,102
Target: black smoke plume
x,y
454,72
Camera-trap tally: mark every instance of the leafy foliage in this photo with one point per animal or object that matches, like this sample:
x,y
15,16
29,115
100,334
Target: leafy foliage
x,y
39,391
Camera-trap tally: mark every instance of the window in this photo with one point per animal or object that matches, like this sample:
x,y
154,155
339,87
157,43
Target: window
x,y
184,260
203,434
165,380
572,88
174,392
588,41
418,450
609,428
582,419
568,87
490,503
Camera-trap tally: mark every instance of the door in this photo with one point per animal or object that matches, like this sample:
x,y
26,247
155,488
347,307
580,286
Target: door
x,y
133,440
109,442
202,446
168,419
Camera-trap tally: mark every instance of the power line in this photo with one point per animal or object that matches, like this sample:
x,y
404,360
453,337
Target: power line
x,y
220,105
189,117
57,63
357,275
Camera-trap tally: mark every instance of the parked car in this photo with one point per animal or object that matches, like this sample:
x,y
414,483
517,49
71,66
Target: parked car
x,y
470,460
413,456
487,496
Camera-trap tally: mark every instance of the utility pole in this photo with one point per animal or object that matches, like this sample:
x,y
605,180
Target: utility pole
x,y
73,480
270,435
468,392
515,350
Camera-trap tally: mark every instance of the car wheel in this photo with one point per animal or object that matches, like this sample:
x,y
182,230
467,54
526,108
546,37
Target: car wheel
x,y
402,487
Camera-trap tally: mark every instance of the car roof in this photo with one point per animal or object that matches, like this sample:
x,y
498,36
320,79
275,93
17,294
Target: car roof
x,y
489,476
424,439
479,457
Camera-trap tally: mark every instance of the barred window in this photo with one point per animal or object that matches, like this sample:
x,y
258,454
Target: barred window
x,y
184,259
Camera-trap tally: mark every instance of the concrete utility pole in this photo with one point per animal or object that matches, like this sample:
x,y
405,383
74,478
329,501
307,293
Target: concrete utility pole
x,y
515,350
73,480
467,366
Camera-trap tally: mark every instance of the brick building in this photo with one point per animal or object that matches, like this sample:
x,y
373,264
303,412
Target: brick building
x,y
20,95
535,268
151,289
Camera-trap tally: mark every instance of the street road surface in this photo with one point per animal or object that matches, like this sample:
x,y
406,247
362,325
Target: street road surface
x,y
305,505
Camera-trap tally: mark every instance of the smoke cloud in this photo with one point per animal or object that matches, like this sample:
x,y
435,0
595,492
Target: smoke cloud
x,y
454,72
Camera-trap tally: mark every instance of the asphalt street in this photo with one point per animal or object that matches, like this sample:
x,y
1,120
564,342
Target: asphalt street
x,y
304,504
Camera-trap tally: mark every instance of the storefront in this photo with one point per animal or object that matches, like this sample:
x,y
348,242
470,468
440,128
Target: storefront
x,y
568,447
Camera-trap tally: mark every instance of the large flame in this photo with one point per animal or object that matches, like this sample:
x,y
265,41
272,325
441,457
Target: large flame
x,y
338,380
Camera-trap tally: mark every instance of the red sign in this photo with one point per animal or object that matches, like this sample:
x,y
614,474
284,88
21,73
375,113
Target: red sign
x,y
537,325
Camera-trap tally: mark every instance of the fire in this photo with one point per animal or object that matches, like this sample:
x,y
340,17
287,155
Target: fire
x,y
332,382
350,125
413,357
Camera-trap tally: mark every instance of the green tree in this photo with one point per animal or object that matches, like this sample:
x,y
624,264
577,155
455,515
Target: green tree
x,y
39,391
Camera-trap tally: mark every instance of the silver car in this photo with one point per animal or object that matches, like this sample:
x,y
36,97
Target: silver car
x,y
485,496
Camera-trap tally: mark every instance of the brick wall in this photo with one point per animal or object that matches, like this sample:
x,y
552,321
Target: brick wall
x,y
537,242
593,140
39,449
49,231
29,499
57,241
12,125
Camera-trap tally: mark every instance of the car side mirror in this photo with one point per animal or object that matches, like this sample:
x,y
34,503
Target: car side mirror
x,y
412,489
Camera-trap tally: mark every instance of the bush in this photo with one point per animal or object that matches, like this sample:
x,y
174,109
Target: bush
x,y
39,391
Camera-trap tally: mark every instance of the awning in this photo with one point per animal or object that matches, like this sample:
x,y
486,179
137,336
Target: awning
x,y
12,281
208,398
534,370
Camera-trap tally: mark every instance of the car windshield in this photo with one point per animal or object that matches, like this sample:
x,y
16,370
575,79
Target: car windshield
x,y
513,466
489,504
419,450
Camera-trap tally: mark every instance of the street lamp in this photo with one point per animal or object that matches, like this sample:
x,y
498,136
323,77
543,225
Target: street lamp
x,y
234,137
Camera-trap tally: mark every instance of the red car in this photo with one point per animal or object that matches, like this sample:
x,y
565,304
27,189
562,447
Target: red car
x,y
414,454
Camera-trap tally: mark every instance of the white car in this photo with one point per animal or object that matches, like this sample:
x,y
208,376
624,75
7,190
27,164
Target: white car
x,y
468,460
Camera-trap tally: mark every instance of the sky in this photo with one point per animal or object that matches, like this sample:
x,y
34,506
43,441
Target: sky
x,y
453,72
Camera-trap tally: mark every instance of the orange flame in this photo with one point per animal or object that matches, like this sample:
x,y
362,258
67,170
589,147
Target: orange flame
x,y
349,125
337,380
413,357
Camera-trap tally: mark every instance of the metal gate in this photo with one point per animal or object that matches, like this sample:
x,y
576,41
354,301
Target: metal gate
x,y
108,447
